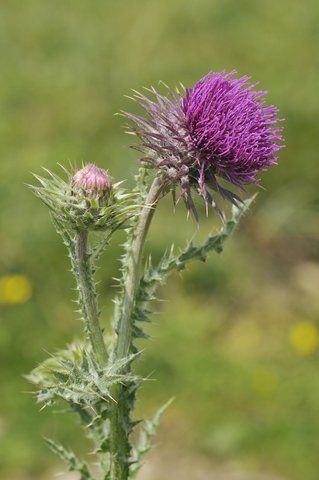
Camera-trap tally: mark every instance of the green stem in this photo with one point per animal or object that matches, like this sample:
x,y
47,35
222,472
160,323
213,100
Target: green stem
x,y
120,410
124,334
89,298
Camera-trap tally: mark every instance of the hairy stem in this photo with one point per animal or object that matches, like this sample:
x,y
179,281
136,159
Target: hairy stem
x,y
124,334
89,298
120,411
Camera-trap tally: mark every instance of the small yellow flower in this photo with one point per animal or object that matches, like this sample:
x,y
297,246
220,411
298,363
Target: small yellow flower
x,y
14,289
304,337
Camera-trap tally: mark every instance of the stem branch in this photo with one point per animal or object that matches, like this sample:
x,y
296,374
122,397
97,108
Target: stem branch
x,y
124,337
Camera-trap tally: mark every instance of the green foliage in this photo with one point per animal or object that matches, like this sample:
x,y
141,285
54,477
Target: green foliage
x,y
98,387
74,376
155,276
72,462
86,380
144,443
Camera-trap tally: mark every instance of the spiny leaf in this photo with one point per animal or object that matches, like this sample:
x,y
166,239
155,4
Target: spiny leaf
x,y
76,378
155,276
72,462
146,436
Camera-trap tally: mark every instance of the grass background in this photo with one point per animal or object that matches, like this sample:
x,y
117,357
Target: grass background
x,y
237,341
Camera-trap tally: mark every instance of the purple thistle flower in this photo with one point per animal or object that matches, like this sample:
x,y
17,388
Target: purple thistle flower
x,y
92,180
220,129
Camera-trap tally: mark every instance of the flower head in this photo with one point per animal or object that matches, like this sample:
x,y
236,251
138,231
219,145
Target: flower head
x,y
217,132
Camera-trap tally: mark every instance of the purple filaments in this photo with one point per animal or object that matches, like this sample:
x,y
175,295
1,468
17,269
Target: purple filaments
x,y
231,129
218,129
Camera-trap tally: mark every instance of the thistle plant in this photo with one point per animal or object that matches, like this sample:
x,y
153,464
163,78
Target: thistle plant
x,y
210,140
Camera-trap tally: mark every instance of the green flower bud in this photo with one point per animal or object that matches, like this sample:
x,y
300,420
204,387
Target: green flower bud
x,y
87,200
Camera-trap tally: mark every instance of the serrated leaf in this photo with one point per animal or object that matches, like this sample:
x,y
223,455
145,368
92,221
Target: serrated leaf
x,y
71,460
145,439
155,276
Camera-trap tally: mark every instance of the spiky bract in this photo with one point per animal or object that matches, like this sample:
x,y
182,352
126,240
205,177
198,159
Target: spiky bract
x,y
85,203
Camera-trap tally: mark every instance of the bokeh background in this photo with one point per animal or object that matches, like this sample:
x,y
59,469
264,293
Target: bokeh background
x,y
237,341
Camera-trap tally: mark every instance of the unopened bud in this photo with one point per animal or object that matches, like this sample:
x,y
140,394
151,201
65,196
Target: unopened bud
x,y
87,200
92,181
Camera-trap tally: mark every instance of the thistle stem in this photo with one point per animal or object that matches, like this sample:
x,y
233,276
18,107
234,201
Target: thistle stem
x,y
120,410
124,334
88,298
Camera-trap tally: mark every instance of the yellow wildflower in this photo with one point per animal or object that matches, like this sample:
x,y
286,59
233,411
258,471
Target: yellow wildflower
x,y
304,337
14,289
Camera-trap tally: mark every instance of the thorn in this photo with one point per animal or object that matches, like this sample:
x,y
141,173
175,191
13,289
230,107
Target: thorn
x,y
48,353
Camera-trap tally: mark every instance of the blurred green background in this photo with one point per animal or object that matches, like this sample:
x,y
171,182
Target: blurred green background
x,y
237,342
